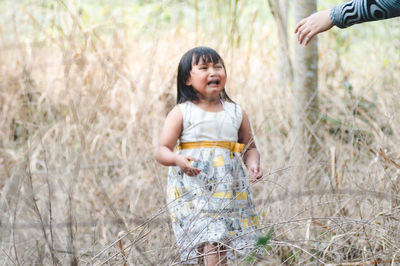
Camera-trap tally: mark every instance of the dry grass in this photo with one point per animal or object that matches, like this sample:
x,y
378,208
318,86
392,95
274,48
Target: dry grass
x,y
81,112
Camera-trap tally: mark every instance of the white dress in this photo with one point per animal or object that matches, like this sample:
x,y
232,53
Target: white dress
x,y
216,206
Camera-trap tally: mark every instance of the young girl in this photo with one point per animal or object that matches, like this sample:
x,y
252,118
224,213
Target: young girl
x,y
210,202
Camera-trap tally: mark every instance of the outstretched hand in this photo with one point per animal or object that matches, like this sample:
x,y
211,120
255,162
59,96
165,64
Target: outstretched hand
x,y
184,162
312,25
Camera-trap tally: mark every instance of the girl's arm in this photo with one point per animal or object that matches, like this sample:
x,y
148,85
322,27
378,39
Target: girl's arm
x,y
251,156
164,152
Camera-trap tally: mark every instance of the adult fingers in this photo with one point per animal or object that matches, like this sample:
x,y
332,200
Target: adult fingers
x,y
303,34
300,32
309,37
303,26
301,23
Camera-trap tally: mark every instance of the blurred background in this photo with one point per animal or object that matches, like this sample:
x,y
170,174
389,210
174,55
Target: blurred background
x,y
85,87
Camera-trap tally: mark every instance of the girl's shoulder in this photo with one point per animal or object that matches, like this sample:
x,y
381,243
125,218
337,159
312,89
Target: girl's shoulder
x,y
231,104
183,106
233,107
234,110
176,111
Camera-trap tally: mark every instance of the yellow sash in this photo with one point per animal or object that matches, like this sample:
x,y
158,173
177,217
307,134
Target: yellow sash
x,y
232,146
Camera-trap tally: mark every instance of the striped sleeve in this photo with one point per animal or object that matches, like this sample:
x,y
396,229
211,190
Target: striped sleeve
x,y
359,11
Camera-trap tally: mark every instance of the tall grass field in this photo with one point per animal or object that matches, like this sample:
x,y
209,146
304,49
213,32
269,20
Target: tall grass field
x,y
85,87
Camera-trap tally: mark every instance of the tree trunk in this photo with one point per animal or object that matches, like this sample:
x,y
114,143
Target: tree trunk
x,y
280,10
305,90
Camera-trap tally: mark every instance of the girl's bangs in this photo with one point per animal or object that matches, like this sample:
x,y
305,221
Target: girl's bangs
x,y
207,57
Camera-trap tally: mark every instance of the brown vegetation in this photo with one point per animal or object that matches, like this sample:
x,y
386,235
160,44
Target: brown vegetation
x,y
81,112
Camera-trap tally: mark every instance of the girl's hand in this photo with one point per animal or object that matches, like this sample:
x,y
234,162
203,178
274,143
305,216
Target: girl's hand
x,y
183,161
312,25
255,173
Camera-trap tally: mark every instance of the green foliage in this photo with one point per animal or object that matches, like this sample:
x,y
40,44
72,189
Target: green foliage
x,y
261,243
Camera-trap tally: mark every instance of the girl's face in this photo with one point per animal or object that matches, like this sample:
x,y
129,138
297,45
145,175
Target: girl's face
x,y
208,79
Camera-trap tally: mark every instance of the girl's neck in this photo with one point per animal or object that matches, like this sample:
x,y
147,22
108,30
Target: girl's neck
x,y
215,105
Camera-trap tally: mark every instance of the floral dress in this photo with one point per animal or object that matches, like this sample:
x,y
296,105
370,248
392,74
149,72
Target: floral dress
x,y
216,206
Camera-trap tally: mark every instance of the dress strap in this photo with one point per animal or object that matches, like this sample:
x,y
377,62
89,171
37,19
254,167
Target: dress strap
x,y
232,146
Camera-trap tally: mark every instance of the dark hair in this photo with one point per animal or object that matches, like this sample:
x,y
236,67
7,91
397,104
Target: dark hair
x,y
185,92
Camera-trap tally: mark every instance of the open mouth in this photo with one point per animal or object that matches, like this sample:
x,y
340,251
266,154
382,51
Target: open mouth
x,y
213,82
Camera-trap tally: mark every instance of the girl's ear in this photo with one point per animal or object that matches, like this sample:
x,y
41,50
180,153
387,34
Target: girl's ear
x,y
188,82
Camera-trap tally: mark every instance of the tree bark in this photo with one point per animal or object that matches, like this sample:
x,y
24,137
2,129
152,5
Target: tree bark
x,y
305,90
280,10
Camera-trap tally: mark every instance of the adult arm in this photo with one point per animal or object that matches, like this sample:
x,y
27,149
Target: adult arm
x,y
345,15
251,156
359,11
312,25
